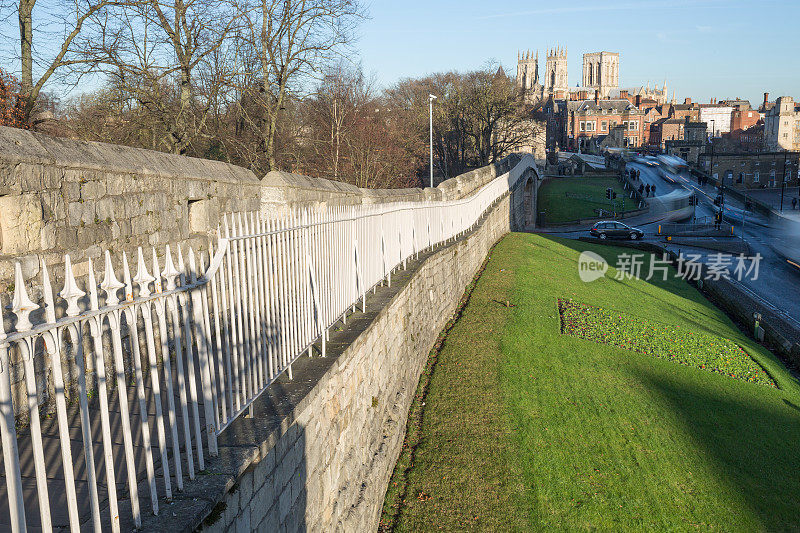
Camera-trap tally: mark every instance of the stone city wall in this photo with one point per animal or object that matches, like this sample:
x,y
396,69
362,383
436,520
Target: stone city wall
x,y
319,451
332,452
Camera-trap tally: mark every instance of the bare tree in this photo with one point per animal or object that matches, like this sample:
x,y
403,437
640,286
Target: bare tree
x,y
59,32
479,117
285,44
165,55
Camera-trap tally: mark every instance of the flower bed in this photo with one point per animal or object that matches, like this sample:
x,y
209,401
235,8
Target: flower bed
x,y
676,343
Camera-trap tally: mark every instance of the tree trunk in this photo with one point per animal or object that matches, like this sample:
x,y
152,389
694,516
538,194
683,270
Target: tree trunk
x,y
26,54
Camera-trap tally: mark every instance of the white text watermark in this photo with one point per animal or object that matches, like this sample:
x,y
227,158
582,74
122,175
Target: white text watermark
x,y
690,267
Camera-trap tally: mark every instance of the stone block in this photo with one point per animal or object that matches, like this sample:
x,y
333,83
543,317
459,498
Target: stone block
x,y
243,523
245,489
262,502
21,224
203,215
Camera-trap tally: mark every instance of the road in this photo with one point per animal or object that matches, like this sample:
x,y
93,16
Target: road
x,y
778,282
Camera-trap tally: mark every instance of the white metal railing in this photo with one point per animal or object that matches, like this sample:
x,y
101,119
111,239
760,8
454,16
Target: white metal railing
x,y
187,349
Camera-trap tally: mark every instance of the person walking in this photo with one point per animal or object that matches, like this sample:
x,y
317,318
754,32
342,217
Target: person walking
x,y
641,190
647,190
794,203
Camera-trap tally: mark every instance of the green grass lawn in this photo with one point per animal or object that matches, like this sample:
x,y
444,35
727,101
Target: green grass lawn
x,y
559,208
526,428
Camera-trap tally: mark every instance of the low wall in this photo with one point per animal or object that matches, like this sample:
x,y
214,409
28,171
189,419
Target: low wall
x,y
62,196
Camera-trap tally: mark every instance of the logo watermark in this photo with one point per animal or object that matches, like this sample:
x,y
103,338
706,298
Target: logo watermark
x,y
591,266
689,267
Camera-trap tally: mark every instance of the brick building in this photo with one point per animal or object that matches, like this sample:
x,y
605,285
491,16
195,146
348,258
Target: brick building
x,y
666,129
587,120
753,170
743,118
686,109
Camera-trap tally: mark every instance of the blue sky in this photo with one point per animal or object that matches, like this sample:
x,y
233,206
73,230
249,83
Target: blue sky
x,y
704,48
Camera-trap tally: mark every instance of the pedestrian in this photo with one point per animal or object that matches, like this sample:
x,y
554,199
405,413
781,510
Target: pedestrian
x,y
794,203
647,190
641,189
638,174
653,189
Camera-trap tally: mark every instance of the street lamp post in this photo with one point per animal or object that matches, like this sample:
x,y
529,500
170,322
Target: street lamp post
x,y
431,98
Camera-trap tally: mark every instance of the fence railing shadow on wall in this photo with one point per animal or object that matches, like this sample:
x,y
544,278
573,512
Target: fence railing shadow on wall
x,y
187,349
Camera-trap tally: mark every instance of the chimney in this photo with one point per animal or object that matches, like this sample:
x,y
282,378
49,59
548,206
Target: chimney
x,y
623,95
687,101
638,100
597,97
766,99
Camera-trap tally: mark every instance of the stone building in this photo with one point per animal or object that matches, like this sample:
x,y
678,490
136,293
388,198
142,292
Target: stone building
x,y
556,83
601,72
752,170
782,125
645,92
692,145
528,76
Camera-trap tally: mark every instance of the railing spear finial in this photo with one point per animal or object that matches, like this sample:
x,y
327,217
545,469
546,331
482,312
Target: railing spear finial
x,y
181,266
22,306
170,273
71,293
126,275
157,272
93,299
110,283
49,301
192,267
143,277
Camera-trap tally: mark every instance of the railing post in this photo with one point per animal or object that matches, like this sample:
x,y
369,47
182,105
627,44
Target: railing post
x,y
22,306
203,343
53,347
8,434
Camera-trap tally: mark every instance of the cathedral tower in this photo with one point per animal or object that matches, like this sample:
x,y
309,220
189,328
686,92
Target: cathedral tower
x,y
601,72
527,70
555,80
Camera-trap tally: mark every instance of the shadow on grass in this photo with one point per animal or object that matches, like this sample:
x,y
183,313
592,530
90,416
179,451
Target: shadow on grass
x,y
752,446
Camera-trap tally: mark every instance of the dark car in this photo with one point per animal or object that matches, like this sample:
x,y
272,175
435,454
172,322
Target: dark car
x,y
609,229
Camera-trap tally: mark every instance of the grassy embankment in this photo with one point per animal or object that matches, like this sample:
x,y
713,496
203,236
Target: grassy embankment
x,y
526,428
569,199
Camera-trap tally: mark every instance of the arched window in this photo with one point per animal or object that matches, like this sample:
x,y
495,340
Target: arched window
x,y
553,78
597,78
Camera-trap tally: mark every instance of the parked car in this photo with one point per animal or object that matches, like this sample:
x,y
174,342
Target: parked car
x,y
610,229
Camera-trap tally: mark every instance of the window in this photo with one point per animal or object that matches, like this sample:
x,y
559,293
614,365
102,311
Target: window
x,y
583,126
603,126
755,177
